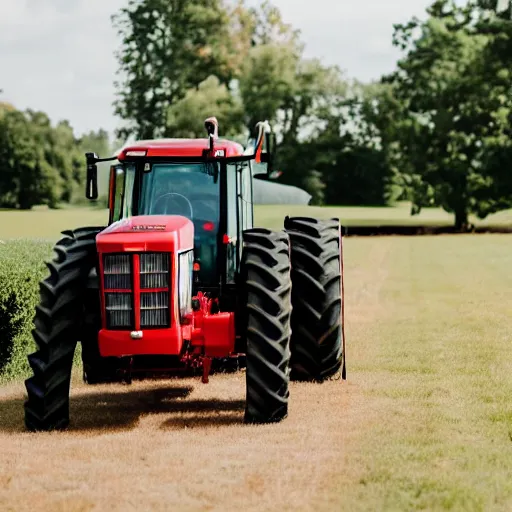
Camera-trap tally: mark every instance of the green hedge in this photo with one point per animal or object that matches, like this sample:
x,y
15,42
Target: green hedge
x,y
21,268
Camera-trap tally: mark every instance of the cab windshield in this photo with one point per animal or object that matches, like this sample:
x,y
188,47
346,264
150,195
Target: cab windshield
x,y
193,191
187,189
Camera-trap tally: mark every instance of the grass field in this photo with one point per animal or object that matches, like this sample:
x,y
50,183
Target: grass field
x,y
44,223
424,421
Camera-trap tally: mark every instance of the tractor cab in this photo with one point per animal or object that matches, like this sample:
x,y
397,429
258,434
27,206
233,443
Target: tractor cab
x,y
207,180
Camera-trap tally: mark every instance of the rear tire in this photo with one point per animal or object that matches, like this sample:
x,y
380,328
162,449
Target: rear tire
x,y
266,292
57,322
317,339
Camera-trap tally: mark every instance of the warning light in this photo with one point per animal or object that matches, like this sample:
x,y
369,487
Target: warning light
x,y
208,226
132,152
197,267
226,239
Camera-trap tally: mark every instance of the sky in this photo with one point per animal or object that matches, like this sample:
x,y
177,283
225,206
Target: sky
x,y
58,56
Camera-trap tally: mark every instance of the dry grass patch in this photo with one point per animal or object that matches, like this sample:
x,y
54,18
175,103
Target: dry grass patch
x,y
176,445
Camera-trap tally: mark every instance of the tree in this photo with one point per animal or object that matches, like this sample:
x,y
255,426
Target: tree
x,y
26,179
168,47
186,117
350,150
503,8
457,111
41,164
298,96
268,81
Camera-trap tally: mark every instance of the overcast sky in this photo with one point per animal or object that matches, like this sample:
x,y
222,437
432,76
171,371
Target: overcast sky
x,y
58,55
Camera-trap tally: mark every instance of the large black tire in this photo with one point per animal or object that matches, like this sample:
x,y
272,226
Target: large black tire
x,y
58,320
317,329
266,293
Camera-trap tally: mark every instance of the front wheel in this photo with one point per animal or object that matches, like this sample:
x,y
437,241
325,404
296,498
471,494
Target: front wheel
x,y
57,329
266,293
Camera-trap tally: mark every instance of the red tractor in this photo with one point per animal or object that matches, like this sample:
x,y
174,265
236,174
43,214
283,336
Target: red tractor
x,y
181,279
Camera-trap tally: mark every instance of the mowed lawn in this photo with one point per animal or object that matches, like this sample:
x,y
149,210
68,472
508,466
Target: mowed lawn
x,y
47,224
423,422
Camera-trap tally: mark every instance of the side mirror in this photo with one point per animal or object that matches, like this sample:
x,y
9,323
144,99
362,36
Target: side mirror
x,y
91,180
267,156
265,146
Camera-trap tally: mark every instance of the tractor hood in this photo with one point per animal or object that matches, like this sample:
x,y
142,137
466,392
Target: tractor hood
x,y
153,233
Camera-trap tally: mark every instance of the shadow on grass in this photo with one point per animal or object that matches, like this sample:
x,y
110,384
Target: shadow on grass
x,y
122,410
214,418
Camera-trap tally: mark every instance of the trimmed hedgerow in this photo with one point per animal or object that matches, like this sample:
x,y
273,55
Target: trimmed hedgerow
x,y
21,268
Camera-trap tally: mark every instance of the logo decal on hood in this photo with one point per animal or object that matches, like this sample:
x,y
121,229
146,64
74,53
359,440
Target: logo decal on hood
x,y
149,227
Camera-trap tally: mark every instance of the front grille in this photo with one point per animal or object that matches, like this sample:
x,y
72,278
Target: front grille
x,y
154,309
152,289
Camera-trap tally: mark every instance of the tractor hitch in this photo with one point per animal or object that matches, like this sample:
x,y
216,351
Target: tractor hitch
x,y
207,366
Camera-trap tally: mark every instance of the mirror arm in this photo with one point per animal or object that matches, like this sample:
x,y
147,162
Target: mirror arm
x,y
263,128
92,158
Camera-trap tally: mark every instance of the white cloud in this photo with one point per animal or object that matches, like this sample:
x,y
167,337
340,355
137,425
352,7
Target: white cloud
x,y
58,55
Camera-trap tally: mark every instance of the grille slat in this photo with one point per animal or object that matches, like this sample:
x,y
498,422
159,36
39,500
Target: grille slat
x,y
154,263
117,264
119,309
154,271
148,281
117,272
118,282
154,309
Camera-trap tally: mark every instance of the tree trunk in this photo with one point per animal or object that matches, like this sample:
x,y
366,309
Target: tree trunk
x,y
461,219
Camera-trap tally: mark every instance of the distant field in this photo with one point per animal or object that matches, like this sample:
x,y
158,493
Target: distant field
x,y
424,421
271,216
42,223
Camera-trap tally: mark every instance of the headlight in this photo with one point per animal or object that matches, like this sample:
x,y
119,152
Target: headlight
x,y
185,264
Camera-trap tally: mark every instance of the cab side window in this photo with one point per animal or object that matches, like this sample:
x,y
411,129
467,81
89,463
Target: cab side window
x,y
246,197
118,193
232,224
122,199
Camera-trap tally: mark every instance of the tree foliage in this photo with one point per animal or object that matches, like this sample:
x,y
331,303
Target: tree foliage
x,y
168,47
454,128
186,117
41,163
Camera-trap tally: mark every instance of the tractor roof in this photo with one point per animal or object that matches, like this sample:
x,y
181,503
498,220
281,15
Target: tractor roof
x,y
180,147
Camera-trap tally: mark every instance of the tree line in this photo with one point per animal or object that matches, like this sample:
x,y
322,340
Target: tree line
x,y
436,131
43,163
